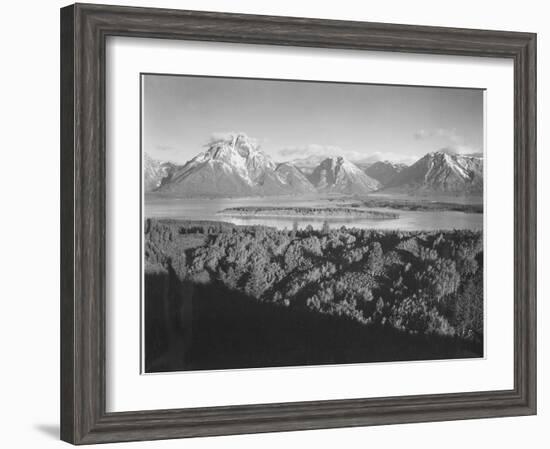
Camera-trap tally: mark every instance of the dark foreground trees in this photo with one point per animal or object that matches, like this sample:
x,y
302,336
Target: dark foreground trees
x,y
417,294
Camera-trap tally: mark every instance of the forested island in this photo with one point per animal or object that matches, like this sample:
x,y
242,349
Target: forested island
x,y
221,296
321,212
415,204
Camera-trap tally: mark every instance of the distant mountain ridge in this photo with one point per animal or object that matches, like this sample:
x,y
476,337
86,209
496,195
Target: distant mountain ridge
x,y
307,164
234,166
384,171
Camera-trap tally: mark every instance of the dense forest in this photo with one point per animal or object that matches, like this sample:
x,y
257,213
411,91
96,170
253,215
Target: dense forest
x,y
274,211
219,295
414,204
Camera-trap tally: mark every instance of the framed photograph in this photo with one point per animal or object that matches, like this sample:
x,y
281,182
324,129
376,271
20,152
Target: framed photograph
x,y
274,223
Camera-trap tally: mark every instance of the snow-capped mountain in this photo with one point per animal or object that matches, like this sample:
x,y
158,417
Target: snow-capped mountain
x,y
234,166
441,172
155,172
384,171
337,175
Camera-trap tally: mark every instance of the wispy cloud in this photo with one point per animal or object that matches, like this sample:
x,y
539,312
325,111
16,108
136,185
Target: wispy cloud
x,y
313,149
441,133
229,136
446,139
389,156
320,151
461,149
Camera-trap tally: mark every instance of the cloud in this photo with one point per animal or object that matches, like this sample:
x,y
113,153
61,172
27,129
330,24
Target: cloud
x,y
447,140
389,156
439,133
320,151
225,135
309,150
460,149
229,136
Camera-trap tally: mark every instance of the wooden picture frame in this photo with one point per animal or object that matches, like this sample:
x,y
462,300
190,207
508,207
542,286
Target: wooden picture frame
x,y
84,29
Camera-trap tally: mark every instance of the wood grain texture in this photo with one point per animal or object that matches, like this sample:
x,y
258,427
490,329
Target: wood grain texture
x,y
84,29
67,226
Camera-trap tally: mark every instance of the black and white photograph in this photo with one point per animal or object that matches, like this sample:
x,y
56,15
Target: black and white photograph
x,y
291,223
275,224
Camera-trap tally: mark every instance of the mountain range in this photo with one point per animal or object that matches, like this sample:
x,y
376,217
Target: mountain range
x,y
234,166
156,172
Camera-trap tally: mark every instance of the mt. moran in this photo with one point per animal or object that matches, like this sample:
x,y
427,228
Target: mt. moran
x,y
233,167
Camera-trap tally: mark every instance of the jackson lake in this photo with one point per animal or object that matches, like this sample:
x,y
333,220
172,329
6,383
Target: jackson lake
x,y
157,206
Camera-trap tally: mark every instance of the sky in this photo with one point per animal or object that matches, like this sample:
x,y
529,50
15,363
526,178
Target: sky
x,y
296,119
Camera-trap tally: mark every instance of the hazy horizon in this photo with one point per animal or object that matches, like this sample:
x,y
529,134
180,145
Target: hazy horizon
x,y
297,119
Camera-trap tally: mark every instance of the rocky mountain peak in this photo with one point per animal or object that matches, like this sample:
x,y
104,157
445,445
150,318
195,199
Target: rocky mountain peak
x,y
155,173
238,143
338,175
384,171
442,172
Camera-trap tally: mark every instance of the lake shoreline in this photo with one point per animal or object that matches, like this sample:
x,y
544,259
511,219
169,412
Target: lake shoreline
x,y
404,219
416,206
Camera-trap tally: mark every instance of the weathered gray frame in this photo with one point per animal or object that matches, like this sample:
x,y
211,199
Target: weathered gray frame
x,y
84,29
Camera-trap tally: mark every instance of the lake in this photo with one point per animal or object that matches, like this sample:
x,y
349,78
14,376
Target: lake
x,y
206,209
